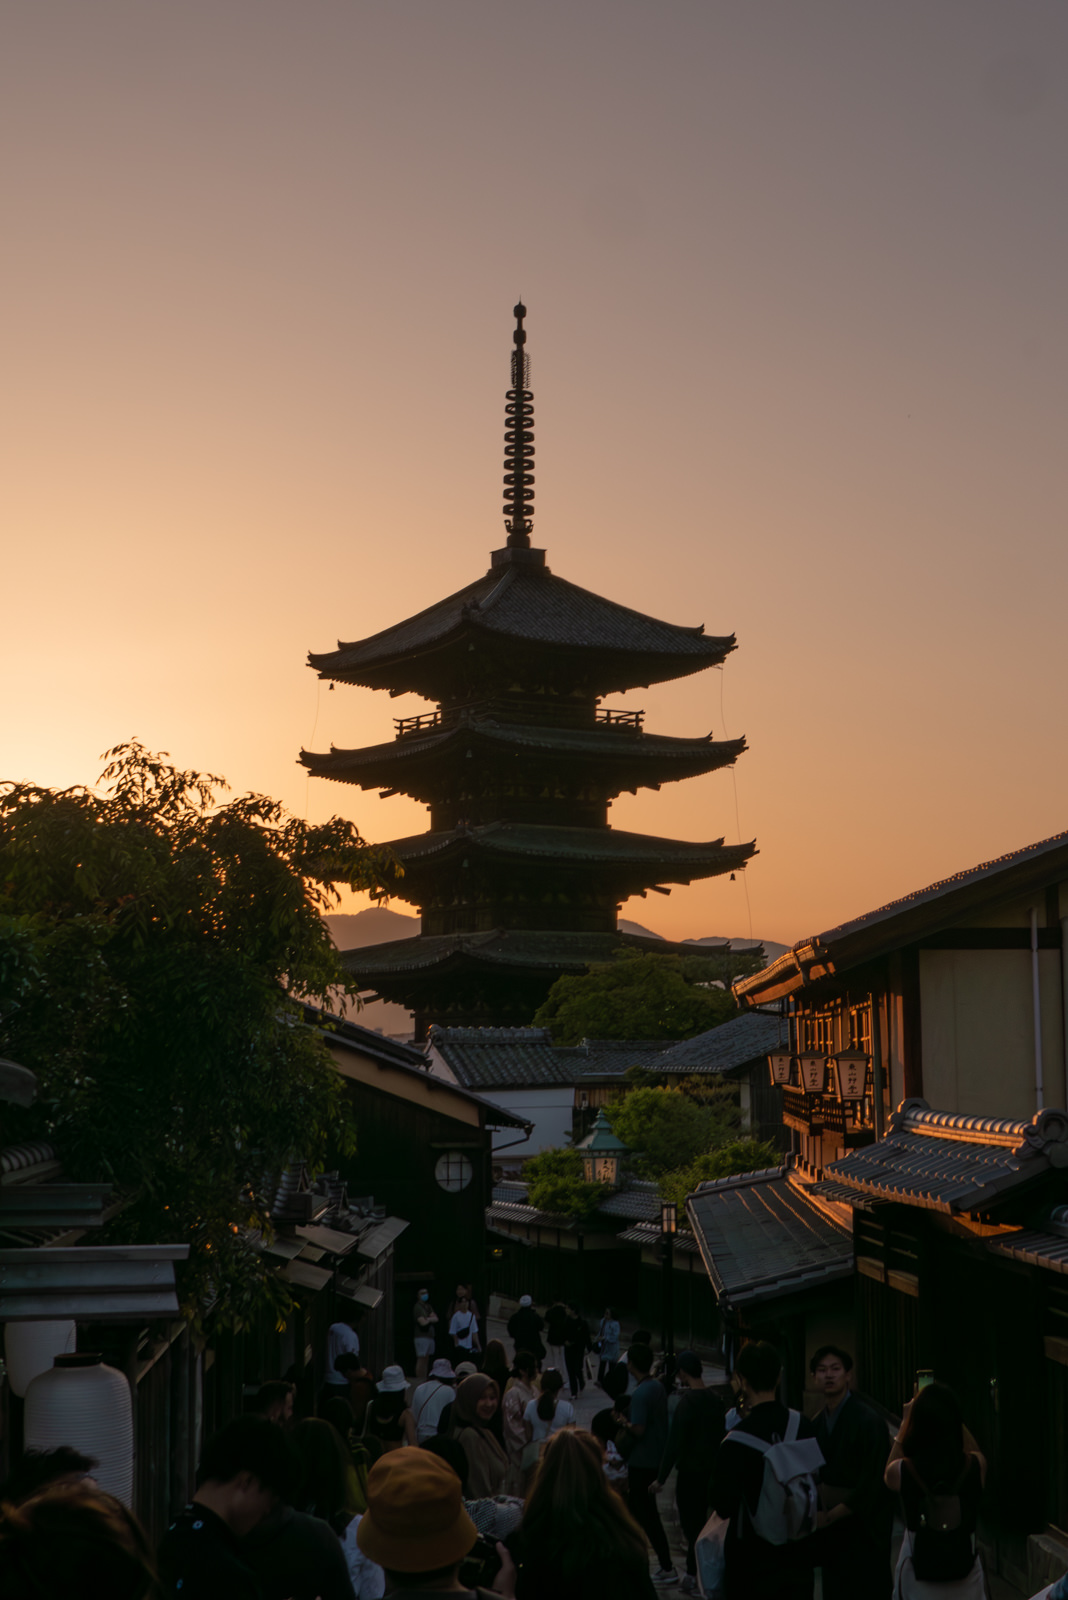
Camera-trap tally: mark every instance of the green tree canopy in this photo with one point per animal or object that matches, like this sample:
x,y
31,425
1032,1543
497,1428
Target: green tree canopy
x,y
555,1182
664,1128
641,997
155,947
739,1155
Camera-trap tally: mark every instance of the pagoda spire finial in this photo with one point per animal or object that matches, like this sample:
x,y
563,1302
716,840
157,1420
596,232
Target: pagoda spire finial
x,y
519,444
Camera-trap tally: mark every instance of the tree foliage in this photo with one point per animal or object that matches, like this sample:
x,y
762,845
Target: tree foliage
x,y
555,1182
642,997
738,1155
155,947
665,1128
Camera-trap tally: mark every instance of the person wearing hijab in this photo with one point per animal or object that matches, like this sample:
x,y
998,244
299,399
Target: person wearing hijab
x,y
473,1410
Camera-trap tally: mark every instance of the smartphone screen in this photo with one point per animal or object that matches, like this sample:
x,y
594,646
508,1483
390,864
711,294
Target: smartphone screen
x,y
924,1377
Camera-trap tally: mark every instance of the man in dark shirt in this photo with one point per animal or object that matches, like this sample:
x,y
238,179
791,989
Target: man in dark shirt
x,y
246,1469
755,1569
856,1509
294,1556
647,1423
694,1439
524,1327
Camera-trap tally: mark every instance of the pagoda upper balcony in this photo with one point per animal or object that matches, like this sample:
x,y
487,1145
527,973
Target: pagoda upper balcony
x,y
431,721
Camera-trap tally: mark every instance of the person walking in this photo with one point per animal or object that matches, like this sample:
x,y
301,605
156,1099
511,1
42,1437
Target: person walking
x,y
577,1541
576,1342
519,1391
525,1329
556,1336
646,1424
341,1340
694,1439
463,1329
425,1321
415,1526
756,1569
473,1411
939,1471
297,1553
246,1470
607,1343
856,1516
430,1399
388,1418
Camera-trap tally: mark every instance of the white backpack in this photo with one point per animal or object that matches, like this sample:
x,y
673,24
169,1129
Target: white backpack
x,y
789,1498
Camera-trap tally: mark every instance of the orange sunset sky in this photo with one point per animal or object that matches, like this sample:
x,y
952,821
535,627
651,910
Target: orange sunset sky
x,y
796,276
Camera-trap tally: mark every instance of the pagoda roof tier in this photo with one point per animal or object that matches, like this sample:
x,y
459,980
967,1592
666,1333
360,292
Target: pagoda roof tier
x,y
517,949
529,620
597,849
623,758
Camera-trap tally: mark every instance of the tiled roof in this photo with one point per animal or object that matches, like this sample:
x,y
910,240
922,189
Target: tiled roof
x,y
731,1044
913,916
499,1058
762,1237
1036,1249
626,749
529,605
675,859
645,1234
511,1211
560,952
638,1202
953,1163
504,1058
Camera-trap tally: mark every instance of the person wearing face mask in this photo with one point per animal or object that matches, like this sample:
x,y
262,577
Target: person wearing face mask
x,y
425,1319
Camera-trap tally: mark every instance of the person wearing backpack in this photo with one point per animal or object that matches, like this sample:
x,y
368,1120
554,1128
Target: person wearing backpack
x,y
939,1471
764,1485
856,1518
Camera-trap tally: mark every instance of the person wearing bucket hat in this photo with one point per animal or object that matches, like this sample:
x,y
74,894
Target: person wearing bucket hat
x,y
388,1418
415,1525
431,1398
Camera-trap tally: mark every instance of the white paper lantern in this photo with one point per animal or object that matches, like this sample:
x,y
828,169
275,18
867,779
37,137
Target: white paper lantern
x,y
30,1347
85,1404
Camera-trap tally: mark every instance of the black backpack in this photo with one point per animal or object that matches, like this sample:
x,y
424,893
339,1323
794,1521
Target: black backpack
x,y
943,1543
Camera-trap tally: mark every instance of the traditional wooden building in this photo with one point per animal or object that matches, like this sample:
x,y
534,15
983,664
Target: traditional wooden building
x,y
520,877
950,1005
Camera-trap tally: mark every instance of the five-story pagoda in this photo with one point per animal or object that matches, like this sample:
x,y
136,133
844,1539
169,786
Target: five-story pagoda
x,y
520,877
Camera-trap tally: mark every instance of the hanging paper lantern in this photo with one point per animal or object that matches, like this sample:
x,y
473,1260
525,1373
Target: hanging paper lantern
x,y
82,1403
781,1064
813,1071
30,1348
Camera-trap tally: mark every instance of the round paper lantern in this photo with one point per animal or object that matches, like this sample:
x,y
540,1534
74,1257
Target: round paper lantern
x,y
30,1347
85,1404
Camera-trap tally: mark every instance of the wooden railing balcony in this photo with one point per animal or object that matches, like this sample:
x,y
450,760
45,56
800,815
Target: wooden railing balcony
x,y
621,719
427,720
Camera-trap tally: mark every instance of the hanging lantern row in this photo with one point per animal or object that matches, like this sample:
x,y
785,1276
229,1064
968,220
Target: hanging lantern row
x,y
848,1069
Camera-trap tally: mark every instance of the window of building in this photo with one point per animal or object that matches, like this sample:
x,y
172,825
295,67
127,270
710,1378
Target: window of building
x,y
453,1171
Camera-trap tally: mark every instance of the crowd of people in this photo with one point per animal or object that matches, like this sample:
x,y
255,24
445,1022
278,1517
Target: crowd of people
x,y
478,1477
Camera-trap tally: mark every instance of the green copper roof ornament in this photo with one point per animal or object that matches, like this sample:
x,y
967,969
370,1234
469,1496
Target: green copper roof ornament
x,y
602,1153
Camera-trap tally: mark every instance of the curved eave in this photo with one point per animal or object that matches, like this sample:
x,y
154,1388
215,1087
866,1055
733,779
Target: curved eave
x,y
673,860
629,760
437,955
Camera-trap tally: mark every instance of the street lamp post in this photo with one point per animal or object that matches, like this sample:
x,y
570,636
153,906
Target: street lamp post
x,y
669,1218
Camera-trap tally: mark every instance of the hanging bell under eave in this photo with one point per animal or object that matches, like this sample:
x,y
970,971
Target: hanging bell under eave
x,y
780,1065
813,1069
851,1074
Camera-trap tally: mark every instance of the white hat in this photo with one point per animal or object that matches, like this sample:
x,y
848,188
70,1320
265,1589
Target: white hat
x,y
525,1300
392,1380
442,1369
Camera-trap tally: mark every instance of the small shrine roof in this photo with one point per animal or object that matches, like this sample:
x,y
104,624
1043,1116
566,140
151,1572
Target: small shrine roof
x,y
528,604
